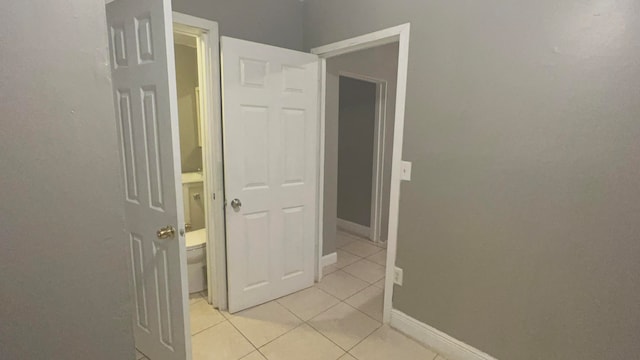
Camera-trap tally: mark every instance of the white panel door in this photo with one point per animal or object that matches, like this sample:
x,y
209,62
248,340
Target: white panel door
x,y
143,70
270,102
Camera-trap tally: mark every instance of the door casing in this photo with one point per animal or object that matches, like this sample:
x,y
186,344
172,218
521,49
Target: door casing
x,y
398,34
208,38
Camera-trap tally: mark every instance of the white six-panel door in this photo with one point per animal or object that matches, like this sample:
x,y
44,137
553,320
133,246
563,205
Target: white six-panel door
x,y
141,49
270,102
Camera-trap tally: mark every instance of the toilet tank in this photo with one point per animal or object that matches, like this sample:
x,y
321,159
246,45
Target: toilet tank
x,y
193,198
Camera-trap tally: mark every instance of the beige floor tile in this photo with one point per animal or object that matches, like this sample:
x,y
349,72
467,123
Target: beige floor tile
x,y
345,258
264,323
347,356
351,235
203,316
308,303
369,301
344,325
221,342
440,357
362,248
343,239
329,269
386,343
254,356
381,245
379,283
302,343
341,285
365,270
195,297
379,258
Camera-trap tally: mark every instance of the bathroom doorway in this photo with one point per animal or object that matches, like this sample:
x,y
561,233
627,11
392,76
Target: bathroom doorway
x,y
197,68
199,136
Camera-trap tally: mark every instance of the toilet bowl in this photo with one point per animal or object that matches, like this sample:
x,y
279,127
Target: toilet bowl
x,y
196,260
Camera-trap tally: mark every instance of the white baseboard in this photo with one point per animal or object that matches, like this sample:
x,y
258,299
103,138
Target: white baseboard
x,y
329,259
354,228
451,348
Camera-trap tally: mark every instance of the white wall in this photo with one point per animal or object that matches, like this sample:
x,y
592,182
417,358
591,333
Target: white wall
x,y
382,63
64,291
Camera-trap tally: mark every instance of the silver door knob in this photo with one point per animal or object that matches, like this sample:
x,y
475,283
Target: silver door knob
x,y
236,204
166,232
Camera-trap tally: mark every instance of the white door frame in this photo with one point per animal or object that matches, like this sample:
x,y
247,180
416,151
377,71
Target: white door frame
x,y
400,34
379,126
206,33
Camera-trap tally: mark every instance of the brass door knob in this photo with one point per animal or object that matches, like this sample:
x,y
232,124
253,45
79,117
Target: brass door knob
x,y
166,232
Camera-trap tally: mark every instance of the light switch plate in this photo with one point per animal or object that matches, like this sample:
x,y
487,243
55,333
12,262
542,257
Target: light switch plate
x,y
397,276
406,171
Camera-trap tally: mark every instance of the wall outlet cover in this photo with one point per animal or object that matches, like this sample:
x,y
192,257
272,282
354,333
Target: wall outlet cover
x,y
406,171
397,276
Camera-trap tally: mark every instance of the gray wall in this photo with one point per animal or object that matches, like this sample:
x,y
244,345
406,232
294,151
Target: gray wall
x,y
63,263
519,230
381,63
357,117
186,82
273,22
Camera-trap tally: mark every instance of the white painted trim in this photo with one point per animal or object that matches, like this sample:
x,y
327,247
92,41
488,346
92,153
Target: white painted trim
x,y
321,133
377,178
435,339
377,38
207,34
177,175
329,259
401,34
353,228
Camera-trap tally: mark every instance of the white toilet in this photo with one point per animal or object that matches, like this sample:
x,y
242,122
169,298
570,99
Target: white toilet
x,y
192,187
196,260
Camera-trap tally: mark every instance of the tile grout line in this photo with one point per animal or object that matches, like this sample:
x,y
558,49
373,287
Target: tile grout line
x,y
362,239
365,314
277,337
363,257
346,351
331,341
380,324
326,292
356,276
244,336
345,301
303,322
322,312
214,325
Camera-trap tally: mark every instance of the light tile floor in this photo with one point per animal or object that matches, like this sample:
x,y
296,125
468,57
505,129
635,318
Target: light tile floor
x,y
338,318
